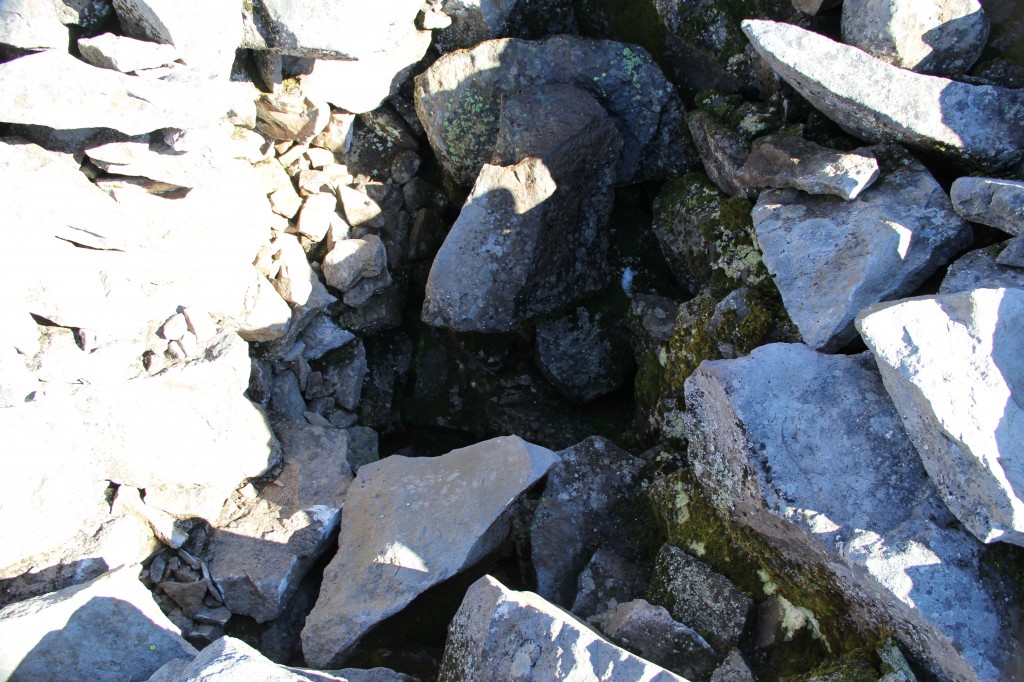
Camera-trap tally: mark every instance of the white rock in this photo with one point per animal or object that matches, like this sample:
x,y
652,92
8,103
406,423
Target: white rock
x,y
353,259
294,278
337,137
319,158
953,366
174,328
32,25
120,53
358,207
318,212
227,660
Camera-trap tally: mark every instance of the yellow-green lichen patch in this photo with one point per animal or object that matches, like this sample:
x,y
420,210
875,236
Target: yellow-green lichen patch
x,y
470,128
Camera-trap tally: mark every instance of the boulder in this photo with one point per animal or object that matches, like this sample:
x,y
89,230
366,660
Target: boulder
x,y
26,25
501,634
942,37
989,201
830,258
807,451
459,100
120,53
106,629
409,524
789,162
980,269
579,509
951,364
531,236
882,103
473,22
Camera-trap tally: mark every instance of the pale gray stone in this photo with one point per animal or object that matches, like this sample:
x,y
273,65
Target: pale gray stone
x,y
286,396
318,213
830,258
359,208
227,660
161,163
808,450
992,202
879,102
120,53
32,25
733,668
323,335
410,523
928,36
981,269
953,366
366,287
107,629
787,161
472,22
354,259
1012,254
337,136
294,279
288,114
499,634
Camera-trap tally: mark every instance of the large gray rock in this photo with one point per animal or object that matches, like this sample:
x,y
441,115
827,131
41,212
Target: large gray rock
x,y
473,21
989,201
459,99
32,25
830,258
410,523
500,634
577,511
787,161
882,103
107,629
531,235
980,269
807,450
953,366
262,546
928,36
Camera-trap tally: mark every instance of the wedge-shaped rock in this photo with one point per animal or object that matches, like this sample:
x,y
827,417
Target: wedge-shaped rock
x,y
990,201
531,236
459,99
410,523
786,161
108,629
954,368
499,634
981,269
109,51
808,450
882,103
831,258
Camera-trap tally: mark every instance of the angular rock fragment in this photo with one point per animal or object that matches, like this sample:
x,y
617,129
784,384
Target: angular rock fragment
x,y
500,634
831,258
734,668
722,151
989,201
410,523
882,103
108,629
353,260
786,161
472,22
531,235
584,354
981,269
31,25
953,367
1013,254
610,578
768,435
941,37
290,115
120,53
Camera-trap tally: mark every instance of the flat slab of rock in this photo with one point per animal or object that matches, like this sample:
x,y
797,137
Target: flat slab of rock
x,y
990,201
882,103
108,629
458,99
954,368
29,25
120,53
786,161
410,523
807,449
831,258
500,634
981,269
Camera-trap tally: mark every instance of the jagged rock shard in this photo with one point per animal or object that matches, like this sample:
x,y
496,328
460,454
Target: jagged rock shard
x,y
807,450
990,201
410,523
882,103
458,100
954,368
108,629
790,162
830,258
499,635
531,236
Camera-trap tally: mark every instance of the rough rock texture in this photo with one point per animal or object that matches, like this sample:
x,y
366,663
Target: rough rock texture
x,y
989,201
928,36
410,524
788,162
882,103
723,153
981,269
954,369
473,21
225,660
29,25
610,578
734,668
106,629
500,634
831,258
109,51
531,236
263,546
1012,254
808,451
577,511
458,100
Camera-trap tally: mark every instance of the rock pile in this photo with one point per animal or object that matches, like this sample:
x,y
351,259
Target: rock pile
x,y
318,309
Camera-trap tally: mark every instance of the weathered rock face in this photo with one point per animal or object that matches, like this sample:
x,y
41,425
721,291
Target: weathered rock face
x,y
768,434
610,578
989,201
499,634
831,258
882,103
931,36
785,161
107,629
472,22
458,100
953,368
27,25
410,524
120,53
980,269
531,236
